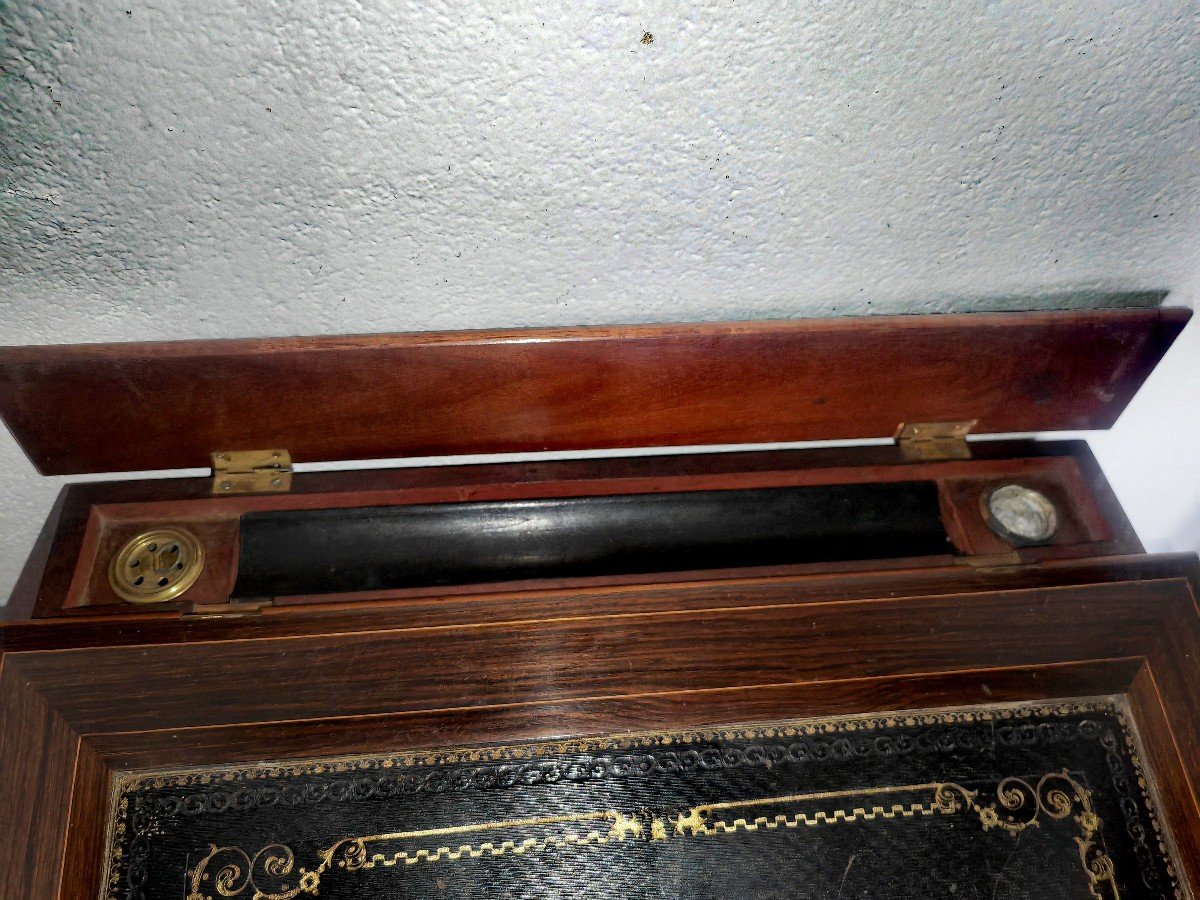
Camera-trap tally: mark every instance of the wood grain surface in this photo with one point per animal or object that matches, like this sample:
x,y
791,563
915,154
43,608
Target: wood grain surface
x,y
468,671
69,571
120,407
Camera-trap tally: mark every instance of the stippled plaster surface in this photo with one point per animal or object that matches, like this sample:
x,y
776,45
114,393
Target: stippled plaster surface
x,y
177,169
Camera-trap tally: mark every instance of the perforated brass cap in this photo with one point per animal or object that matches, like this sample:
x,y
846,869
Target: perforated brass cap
x,y
157,566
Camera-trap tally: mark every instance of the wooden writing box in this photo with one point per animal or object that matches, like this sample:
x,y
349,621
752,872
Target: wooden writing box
x,y
940,666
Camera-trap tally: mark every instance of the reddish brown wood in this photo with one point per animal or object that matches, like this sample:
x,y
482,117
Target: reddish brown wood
x,y
49,575
38,749
135,628
83,863
496,724
1080,521
90,691
160,696
961,484
1165,761
95,516
42,561
219,537
154,406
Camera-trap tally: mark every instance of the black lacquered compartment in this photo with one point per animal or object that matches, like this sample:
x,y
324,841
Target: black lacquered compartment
x,y
378,548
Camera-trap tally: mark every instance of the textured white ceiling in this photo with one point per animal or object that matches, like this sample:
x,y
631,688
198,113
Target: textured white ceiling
x,y
177,169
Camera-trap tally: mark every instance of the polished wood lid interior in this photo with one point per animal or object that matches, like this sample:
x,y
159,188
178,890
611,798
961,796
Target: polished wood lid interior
x,y
128,407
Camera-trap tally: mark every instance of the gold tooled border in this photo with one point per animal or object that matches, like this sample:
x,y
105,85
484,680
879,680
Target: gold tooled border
x,y
232,872
125,783
808,726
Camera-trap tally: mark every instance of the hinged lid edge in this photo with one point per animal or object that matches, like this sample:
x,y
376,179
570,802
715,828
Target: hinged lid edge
x,y
128,407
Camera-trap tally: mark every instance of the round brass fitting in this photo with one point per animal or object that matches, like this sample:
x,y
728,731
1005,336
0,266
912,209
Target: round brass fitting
x,y
157,566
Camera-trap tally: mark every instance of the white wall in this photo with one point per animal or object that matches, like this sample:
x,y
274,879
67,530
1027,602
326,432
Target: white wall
x,y
230,169
1152,456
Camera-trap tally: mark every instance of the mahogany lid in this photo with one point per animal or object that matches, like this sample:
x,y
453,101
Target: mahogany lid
x,y
128,407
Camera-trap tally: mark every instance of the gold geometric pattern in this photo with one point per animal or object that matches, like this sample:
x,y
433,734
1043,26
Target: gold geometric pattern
x,y
229,872
1018,804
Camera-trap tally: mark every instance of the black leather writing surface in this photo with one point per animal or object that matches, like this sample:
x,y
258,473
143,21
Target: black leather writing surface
x,y
340,550
1042,802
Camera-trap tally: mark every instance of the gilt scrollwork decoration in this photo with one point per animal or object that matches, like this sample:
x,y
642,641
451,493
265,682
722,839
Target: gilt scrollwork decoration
x,y
232,872
1015,805
1056,796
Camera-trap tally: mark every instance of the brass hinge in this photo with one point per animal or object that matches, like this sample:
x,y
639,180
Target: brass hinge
x,y
234,609
928,441
252,472
991,560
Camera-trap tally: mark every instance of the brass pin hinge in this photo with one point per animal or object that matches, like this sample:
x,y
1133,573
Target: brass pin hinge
x,y
930,441
234,609
252,472
991,560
